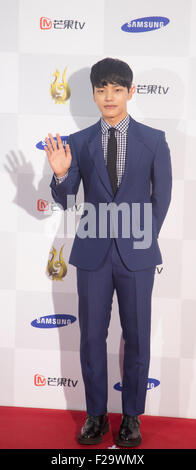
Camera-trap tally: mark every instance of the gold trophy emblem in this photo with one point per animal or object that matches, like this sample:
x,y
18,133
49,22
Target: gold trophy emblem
x,y
59,273
60,91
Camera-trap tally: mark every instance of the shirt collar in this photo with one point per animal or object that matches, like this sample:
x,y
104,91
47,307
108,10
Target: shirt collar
x,y
122,126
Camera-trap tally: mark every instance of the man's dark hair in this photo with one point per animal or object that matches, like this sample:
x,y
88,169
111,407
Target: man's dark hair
x,y
113,71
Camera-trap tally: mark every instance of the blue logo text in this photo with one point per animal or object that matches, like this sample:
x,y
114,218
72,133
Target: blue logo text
x,y
142,25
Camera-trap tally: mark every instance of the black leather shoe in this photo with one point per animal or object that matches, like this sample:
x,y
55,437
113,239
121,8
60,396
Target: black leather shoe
x,y
93,429
129,432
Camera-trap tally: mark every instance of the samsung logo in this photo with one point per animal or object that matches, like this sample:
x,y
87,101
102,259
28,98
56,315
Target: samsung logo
x,y
118,387
152,383
53,321
142,25
40,145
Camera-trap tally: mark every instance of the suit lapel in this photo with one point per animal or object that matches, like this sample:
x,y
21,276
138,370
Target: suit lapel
x,y
97,154
134,152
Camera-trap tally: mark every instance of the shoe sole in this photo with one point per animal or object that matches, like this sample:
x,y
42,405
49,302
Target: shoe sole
x,y
131,443
93,440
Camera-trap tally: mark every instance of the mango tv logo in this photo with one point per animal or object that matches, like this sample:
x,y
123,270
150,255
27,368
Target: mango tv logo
x,y
152,383
143,25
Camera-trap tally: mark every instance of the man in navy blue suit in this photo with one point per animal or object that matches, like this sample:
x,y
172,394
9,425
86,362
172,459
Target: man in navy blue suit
x,y
123,164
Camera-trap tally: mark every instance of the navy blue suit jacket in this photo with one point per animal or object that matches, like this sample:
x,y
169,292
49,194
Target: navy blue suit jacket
x,y
147,178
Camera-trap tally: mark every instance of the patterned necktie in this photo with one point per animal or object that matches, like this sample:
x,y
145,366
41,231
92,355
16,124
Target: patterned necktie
x,y
111,159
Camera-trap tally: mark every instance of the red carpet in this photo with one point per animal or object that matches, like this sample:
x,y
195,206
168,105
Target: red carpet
x,y
28,428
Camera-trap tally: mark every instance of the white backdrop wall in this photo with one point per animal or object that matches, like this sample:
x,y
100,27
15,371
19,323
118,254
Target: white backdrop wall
x,y
39,364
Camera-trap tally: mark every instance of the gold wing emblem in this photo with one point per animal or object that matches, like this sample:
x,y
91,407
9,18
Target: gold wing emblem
x,y
60,91
56,269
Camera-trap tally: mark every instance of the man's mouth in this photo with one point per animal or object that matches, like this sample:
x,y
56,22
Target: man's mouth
x,y
110,106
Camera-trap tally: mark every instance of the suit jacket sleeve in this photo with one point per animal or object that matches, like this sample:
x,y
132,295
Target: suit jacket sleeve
x,y
71,184
161,178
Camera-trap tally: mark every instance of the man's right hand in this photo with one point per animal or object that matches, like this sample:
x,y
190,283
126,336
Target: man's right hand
x,y
59,159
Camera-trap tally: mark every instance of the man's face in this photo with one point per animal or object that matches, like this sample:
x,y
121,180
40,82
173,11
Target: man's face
x,y
112,100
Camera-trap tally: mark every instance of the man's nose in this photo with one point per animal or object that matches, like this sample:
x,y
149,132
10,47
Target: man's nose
x,y
109,96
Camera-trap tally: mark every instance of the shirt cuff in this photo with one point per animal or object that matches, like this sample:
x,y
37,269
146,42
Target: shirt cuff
x,y
61,179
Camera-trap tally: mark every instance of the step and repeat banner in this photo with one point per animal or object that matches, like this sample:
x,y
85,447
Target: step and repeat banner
x,y
47,49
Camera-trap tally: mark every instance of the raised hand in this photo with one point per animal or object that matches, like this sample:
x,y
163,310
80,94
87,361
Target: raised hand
x,y
59,159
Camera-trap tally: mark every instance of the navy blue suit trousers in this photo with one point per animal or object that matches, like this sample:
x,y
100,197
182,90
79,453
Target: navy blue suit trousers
x,y
95,293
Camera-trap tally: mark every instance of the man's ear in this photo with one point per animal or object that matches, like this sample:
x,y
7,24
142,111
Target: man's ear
x,y
131,92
